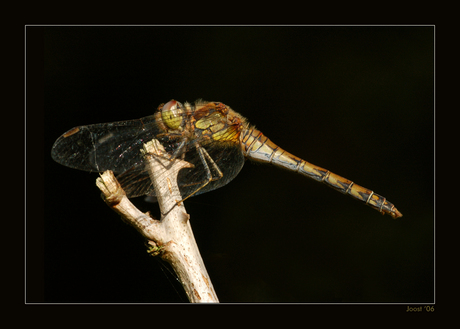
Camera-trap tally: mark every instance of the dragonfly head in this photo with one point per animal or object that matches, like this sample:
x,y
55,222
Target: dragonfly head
x,y
171,114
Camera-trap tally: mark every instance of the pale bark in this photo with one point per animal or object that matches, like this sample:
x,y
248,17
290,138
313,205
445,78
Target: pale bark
x,y
171,236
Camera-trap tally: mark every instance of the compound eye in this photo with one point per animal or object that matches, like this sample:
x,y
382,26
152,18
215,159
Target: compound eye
x,y
171,114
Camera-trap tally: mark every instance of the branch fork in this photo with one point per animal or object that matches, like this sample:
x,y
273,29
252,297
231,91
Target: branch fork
x,y
171,237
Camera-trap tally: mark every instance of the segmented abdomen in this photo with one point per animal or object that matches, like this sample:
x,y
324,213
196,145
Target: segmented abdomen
x,y
258,147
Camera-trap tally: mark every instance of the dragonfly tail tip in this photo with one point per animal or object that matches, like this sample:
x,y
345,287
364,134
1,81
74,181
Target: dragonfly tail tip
x,y
396,214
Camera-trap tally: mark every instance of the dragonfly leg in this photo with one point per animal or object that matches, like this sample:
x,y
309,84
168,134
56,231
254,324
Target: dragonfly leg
x,y
203,156
179,150
214,165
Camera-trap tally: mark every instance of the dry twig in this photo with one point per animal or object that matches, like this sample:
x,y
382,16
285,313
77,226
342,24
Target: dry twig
x,y
171,237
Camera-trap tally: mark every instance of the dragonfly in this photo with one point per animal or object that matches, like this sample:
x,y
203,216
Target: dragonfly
x,y
210,136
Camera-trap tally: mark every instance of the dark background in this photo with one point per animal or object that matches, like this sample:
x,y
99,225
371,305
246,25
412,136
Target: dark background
x,y
356,100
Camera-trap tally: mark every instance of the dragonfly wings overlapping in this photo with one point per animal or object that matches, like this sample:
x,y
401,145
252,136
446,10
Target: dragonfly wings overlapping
x,y
117,146
209,135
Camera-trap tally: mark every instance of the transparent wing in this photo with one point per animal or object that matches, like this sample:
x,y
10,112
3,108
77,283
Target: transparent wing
x,y
117,146
227,158
99,147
